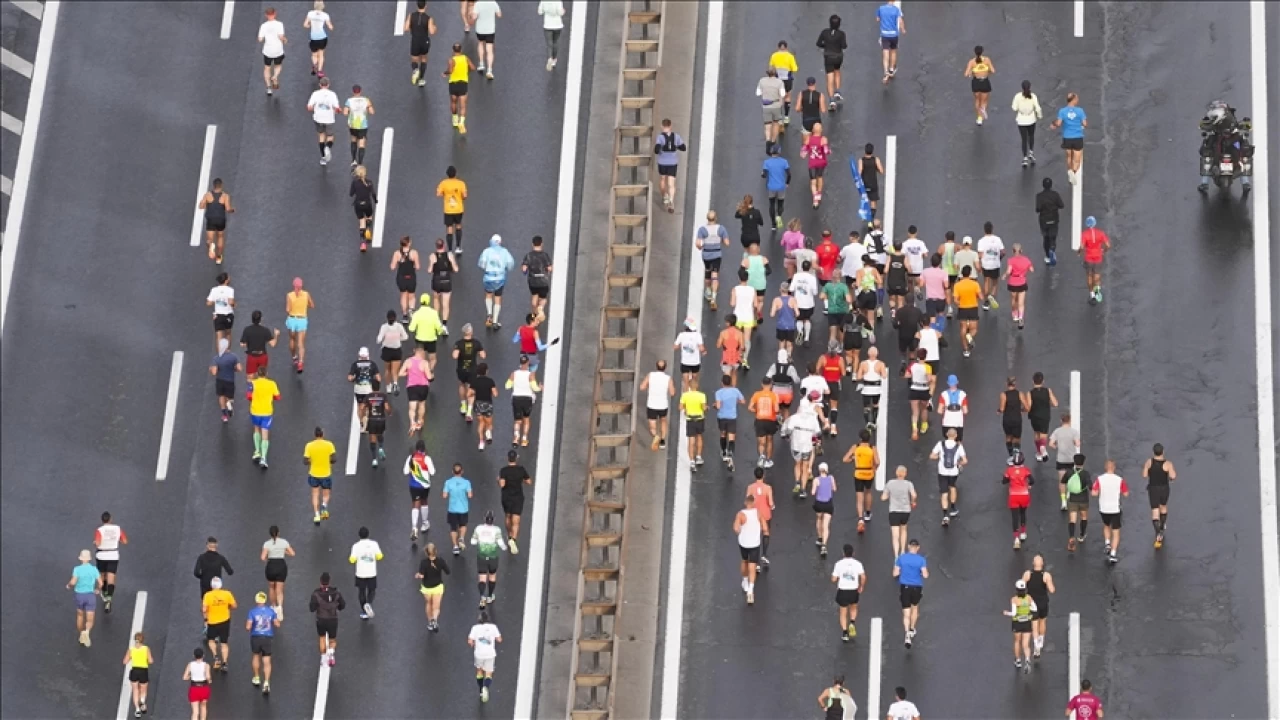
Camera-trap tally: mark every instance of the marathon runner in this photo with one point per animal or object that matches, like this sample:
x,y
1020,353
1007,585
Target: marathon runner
x,y
362,375
902,709
263,394
951,457
709,241
420,27
728,398
694,404
1109,488
261,623
364,198
1078,482
871,380
783,62
524,386
391,337
467,351
1066,440
850,578
689,343
431,571
222,298
991,252
86,581
537,269
1039,401
1158,471
323,106
418,378
326,602
482,390
458,73
836,702
426,328
138,659
833,43
378,408
762,491
892,27
1019,479
953,405
823,490
911,570
1022,609
659,389
496,262
255,339
483,638
107,539
749,527
764,403
405,263
296,305
457,490
511,480
418,469
441,266
488,541
776,173
365,554
1085,705
1010,409
318,456
1039,586
271,36
751,219
274,552
318,22
901,496
453,194
866,460
1094,245
217,605
216,205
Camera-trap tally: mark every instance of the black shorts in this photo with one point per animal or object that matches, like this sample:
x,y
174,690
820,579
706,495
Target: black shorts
x,y
786,335
870,401
864,485
269,61
690,369
456,520
728,425
992,273
108,566
787,83
364,210
804,313
946,482
454,219
539,292
139,675
428,345
521,407
888,43
487,566
845,598
867,300
358,133
827,507
837,319
327,626
906,343
362,399
441,284
419,46
418,393
1039,424
324,129
816,172
967,314
277,570
852,338
1049,231
218,632
213,226
419,494
751,555
513,504
260,645
897,519
486,37
980,85
832,64
376,426
897,290
458,89
695,427
390,355
1022,626
808,122
667,170
484,408
1016,288
223,323
1112,520
1157,494
317,46
465,375
408,283
653,414
710,266
873,195
1065,467
910,595
1042,607
935,306
1012,428
1072,143
766,428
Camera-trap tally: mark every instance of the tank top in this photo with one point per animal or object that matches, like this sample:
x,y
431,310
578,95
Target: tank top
x,y
658,395
461,73
897,275
1012,407
835,703
981,67
138,657
1156,476
442,271
762,500
749,533
528,340
1039,403
866,281
949,259
1022,611
823,494
810,104
864,462
831,369
298,302
868,171
521,383
919,376
416,372
755,272
215,211
786,315
199,671
405,268
1036,587
871,379
109,542
420,27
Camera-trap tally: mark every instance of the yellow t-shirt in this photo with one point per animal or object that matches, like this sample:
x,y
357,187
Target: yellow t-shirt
x,y
784,62
967,292
694,403
454,191
138,657
320,453
217,606
298,303
265,393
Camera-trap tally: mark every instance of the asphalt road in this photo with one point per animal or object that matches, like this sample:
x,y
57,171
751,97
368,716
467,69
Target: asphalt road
x,y
1174,633
106,274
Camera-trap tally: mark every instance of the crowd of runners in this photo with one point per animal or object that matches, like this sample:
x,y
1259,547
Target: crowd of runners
x,y
411,341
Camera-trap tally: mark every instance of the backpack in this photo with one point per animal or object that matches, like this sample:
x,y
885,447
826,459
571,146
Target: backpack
x,y
1075,483
949,455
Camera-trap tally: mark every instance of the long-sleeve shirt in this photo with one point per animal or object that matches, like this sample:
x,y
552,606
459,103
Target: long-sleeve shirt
x,y
496,261
327,602
1026,109
667,146
209,565
363,192
433,573
1048,203
425,324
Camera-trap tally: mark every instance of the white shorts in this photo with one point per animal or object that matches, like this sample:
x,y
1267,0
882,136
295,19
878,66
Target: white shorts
x,y
485,665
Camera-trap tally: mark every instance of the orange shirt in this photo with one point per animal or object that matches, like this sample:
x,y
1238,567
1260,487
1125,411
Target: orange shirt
x,y
730,346
764,499
766,404
967,293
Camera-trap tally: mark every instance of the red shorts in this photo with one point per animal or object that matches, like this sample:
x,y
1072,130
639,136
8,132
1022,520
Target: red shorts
x,y
1017,502
253,362
197,693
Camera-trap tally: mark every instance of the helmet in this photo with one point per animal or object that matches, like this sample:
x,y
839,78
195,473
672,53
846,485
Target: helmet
x,y
1017,457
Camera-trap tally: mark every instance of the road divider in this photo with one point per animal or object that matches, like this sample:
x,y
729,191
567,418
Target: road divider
x,y
228,14
1077,20
874,668
886,215
126,688
353,439
206,166
1076,421
1077,209
170,411
384,177
402,11
1073,656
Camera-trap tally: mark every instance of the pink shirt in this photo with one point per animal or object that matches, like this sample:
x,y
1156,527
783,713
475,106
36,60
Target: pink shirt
x,y
416,372
1019,266
792,240
817,149
1086,706
935,283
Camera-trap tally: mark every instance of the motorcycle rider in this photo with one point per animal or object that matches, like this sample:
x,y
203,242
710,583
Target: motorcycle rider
x,y
1224,135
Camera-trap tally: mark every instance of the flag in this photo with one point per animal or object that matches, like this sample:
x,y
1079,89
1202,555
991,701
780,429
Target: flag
x,y
864,204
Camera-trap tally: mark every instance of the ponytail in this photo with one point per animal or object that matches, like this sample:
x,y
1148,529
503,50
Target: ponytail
x,y
1026,89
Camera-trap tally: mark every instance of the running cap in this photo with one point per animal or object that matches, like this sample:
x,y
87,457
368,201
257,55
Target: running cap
x,y
811,81
215,583
691,324
814,395
968,240
297,283
953,380
822,468
1090,221
85,556
782,356
425,299
260,597
223,344
1020,585
364,352
495,240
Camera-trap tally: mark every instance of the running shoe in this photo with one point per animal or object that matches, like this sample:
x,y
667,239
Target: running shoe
x,y
511,544
324,511
484,695
413,79
256,681
368,609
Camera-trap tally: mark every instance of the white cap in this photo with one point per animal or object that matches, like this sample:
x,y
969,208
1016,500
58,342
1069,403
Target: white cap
x,y
691,324
822,468
215,583
364,352
1020,585
968,240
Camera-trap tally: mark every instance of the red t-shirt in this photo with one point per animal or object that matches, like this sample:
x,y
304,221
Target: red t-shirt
x,y
1086,706
1018,477
1092,241
828,256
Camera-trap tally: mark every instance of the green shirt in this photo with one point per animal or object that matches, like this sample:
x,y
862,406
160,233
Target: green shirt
x,y
755,273
488,539
837,297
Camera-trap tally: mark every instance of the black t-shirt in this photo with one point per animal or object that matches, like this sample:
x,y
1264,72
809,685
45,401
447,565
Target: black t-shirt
x,y
363,192
513,477
255,339
363,370
752,220
1086,484
1048,203
907,320
468,350
832,42
432,573
377,402
538,263
484,387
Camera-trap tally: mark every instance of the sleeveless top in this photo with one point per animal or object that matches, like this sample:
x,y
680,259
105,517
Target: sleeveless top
x,y
755,272
1156,476
405,268
744,303
1012,408
782,376
871,379
786,315
1036,587
442,271
868,172
420,26
1023,611
824,491
138,657
863,462
215,211
831,368
750,532
1039,403
897,275
810,104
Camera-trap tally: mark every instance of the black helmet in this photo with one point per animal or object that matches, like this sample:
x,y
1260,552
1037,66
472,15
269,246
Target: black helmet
x,y
1017,457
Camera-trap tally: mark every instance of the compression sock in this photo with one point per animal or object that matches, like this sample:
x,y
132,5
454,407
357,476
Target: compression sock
x,y
724,445
482,586
1008,448
497,308
321,149
257,443
413,515
360,155
458,233
493,585
773,209
449,238
732,446
266,444
329,144
786,108
781,205
1084,526
488,307
764,545
834,414
480,679
373,449
1155,523
353,149
1071,530
487,682
1164,522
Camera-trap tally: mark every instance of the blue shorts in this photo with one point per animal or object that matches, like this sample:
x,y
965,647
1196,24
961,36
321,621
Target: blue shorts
x,y
87,602
322,483
494,287
262,422
295,324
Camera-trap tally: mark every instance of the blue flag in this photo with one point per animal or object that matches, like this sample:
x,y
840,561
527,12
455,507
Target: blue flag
x,y
864,204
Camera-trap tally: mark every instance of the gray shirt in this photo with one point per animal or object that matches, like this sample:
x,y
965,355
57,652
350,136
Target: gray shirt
x,y
1066,437
275,548
899,495
770,90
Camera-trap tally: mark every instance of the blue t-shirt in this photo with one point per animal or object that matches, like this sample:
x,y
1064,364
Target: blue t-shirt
x,y
1072,118
264,621
458,487
86,578
226,366
909,567
889,14
728,397
775,168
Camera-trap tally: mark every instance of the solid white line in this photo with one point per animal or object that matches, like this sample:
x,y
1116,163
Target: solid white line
x,y
384,177
6,185
882,433
683,488
1262,341
1077,211
1078,19
353,439
10,123
228,13
322,694
1073,656
170,410
26,154
402,10
206,165
531,631
890,192
126,688
1077,422
890,200
34,9
873,669
16,63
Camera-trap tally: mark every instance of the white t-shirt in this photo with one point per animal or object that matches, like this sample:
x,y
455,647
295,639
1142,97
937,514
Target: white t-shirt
x,y
552,12
915,250
815,382
804,286
270,33
1109,486
929,341
804,427
903,710
940,450
689,342
659,391
324,104
318,20
486,17
485,636
221,297
989,249
851,259
847,573
953,418
366,552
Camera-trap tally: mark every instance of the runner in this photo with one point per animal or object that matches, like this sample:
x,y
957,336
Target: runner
x,y
659,390
390,337
318,22
911,570
365,197
296,305
764,403
458,74
209,565
892,27
857,332
485,14
1015,275
261,623
870,285
776,173
991,250
216,205
1019,479
870,169
728,398
482,390
812,105
689,343
835,701
895,279
274,552
431,571
1094,245
255,339
441,266
454,196
937,289
968,294
484,638
418,469
1010,409
420,27
1022,609
405,264
1158,471
833,43
199,676
901,496
511,480
850,578
951,457
919,380
772,93
669,143
358,108
1109,488
751,219
271,36
107,539
222,298
762,491
915,251
948,250
86,581
803,428
866,461
138,660
823,491
365,554
967,257
263,394
709,241
552,12
902,709
749,527
467,351
872,375
1048,203
496,262
805,288
318,456
217,605
466,7
457,490
733,337
1039,584
953,405
838,300
1073,121
488,540
1077,488
523,386
694,404
784,64
426,328
1085,705
816,382
1026,113
1039,401
817,149
758,271
326,602
929,340
362,375
418,378
979,70
529,341
537,268
378,408
1066,440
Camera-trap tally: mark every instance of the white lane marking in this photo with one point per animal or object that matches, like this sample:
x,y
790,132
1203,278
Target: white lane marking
x,y
170,411
1073,657
322,694
873,669
6,185
1078,17
10,123
384,177
890,193
402,11
126,688
206,166
674,630
228,13
34,9
882,433
16,64
1077,422
1077,211
531,631
353,439
890,200
1262,341
26,154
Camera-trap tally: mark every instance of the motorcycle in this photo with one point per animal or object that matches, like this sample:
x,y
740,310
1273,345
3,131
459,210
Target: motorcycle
x,y
1226,155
